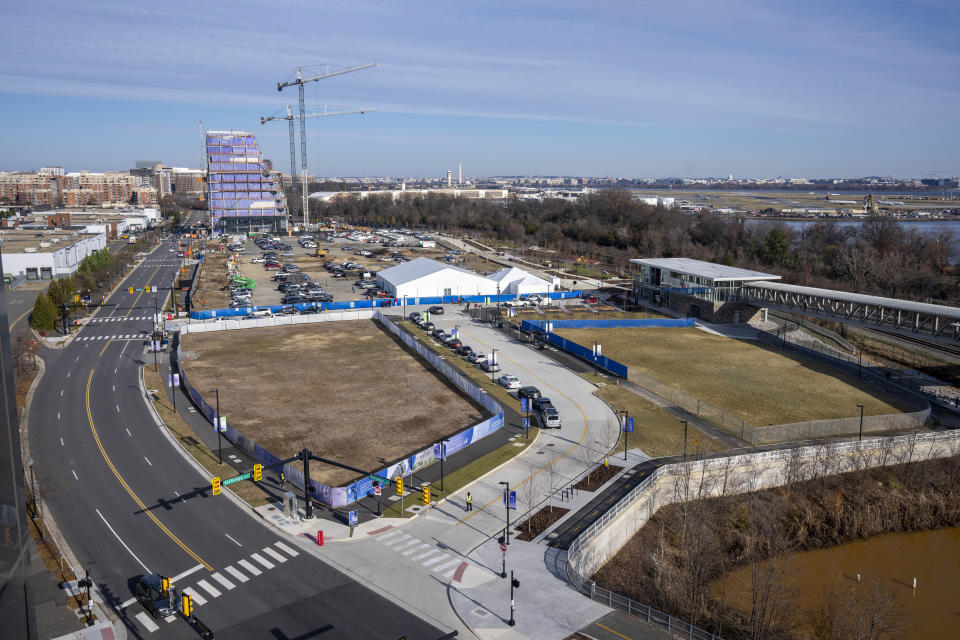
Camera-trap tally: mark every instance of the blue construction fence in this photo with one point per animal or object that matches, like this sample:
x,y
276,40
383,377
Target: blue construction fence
x,y
545,328
376,303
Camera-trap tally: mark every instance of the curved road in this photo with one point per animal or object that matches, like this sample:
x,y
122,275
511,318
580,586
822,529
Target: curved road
x,y
128,503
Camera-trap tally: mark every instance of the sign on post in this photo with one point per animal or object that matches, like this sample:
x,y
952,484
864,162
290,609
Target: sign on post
x,y
628,427
377,490
513,500
526,423
352,518
173,380
523,405
222,420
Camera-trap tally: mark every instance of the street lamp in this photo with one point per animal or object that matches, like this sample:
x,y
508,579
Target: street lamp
x,y
596,357
443,456
625,424
493,362
36,503
861,422
684,440
506,503
216,425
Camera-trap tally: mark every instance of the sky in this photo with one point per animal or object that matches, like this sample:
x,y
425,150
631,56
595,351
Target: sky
x,y
639,89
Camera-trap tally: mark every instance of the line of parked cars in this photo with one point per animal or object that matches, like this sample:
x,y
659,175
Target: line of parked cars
x,y
465,351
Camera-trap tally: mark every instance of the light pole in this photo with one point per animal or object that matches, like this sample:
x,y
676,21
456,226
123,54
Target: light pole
x,y
596,357
626,418
861,422
493,362
514,584
684,440
506,503
36,502
216,425
443,455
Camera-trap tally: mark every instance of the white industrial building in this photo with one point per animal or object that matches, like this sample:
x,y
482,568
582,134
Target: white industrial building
x,y
514,281
426,278
43,255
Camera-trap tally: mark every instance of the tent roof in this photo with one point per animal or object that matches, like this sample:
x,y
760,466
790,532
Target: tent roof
x,y
419,268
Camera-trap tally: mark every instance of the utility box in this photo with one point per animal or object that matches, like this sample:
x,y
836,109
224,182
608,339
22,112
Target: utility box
x,y
290,504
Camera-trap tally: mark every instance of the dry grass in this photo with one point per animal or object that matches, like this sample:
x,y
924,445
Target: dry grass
x,y
655,431
346,390
213,275
756,383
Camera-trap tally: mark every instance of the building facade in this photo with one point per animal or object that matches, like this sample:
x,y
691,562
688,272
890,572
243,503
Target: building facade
x,y
241,195
47,254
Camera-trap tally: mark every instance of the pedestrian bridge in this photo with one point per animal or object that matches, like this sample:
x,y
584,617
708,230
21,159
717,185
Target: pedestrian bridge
x,y
934,320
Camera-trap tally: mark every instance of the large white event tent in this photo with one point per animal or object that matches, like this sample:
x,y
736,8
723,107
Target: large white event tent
x,y
423,277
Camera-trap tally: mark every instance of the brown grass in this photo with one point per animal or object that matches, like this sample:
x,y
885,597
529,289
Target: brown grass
x,y
749,380
346,390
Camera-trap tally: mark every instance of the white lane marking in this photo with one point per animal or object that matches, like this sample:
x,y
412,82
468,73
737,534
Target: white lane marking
x,y
249,567
447,565
58,415
61,393
409,544
126,603
232,540
114,370
223,581
197,598
274,554
391,534
74,474
291,552
415,549
236,574
148,460
401,539
121,541
424,555
183,575
61,442
449,574
128,432
209,588
259,558
434,560
68,374
78,359
118,408
114,387
147,623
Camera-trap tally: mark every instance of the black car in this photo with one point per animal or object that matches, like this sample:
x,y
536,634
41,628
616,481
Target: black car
x,y
455,344
428,326
465,350
437,310
528,392
293,299
541,403
437,333
288,310
309,310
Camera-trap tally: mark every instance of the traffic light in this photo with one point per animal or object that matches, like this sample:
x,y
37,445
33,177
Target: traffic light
x,y
130,289
187,605
101,302
515,583
426,494
399,486
216,485
76,297
165,585
257,472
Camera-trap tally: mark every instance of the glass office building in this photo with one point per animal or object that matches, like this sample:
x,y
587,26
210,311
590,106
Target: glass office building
x,y
241,195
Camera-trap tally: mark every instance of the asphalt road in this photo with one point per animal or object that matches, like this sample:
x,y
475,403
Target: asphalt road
x,y
129,504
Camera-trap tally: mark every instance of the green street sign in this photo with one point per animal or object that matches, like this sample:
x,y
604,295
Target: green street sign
x,y
236,479
379,479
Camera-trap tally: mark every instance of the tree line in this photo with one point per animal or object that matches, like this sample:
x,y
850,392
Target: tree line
x,y
878,257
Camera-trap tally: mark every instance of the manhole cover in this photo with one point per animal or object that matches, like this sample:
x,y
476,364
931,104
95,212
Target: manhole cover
x,y
480,612
549,444
540,453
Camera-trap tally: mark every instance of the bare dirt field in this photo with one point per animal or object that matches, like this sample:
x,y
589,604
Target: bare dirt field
x,y
213,275
346,390
749,380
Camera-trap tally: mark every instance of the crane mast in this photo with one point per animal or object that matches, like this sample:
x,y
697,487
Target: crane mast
x,y
299,82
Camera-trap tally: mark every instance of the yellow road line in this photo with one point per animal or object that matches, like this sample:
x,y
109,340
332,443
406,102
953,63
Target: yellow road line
x,y
130,491
611,631
19,319
586,425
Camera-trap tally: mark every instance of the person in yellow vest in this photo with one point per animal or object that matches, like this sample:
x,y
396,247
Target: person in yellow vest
x,y
469,502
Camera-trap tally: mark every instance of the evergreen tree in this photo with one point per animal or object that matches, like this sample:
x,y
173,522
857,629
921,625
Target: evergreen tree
x,y
44,317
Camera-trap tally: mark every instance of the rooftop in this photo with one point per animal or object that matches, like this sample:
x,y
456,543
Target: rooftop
x,y
418,268
709,270
17,241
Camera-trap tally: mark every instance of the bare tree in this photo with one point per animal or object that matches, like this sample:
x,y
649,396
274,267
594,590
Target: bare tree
x,y
529,494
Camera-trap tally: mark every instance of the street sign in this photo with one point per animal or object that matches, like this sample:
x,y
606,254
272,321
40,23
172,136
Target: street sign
x,y
503,547
223,423
239,478
377,490
377,478
173,380
352,517
629,426
523,405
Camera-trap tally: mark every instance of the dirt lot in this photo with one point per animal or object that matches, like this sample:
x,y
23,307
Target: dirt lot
x,y
346,390
745,378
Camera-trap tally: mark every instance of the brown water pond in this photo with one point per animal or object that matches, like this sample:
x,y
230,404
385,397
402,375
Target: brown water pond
x,y
932,557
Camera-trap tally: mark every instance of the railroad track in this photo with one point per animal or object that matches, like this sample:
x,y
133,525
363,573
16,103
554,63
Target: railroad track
x,y
930,344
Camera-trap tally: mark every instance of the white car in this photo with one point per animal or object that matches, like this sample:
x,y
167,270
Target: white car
x,y
508,381
260,312
256,260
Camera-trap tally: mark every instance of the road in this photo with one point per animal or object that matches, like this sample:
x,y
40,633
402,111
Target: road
x,y
128,503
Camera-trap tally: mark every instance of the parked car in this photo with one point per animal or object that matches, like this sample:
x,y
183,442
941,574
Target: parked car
x,y
541,403
476,357
550,418
455,344
436,333
488,367
436,309
257,260
528,392
465,350
508,381
428,327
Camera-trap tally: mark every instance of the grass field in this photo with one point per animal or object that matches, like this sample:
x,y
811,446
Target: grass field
x,y
346,390
751,381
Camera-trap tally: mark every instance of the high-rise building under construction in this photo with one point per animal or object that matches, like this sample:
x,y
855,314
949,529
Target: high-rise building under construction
x,y
242,196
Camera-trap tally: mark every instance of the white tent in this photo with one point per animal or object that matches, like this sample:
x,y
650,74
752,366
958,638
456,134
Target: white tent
x,y
423,277
514,281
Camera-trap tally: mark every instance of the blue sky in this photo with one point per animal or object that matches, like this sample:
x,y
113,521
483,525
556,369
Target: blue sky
x,y
636,89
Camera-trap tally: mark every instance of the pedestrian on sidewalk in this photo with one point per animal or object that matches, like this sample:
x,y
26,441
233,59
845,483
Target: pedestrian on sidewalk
x,y
469,502
283,480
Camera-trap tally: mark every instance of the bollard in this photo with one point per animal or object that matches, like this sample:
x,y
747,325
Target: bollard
x,y
320,538
914,583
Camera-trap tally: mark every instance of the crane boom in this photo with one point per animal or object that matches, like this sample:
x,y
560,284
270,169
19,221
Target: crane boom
x,y
299,82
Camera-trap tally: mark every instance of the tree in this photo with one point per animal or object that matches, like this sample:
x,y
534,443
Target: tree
x,y
61,291
44,317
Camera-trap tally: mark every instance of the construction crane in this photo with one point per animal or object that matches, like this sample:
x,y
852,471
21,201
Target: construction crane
x,y
293,154
299,82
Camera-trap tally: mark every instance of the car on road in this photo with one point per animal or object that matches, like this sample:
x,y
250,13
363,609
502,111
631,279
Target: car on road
x,y
590,299
308,310
150,595
436,309
508,381
550,418
288,310
528,392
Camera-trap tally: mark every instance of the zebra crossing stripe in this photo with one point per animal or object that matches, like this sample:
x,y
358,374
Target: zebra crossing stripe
x,y
402,538
260,559
435,560
446,565
424,555
249,567
289,551
197,598
415,549
209,588
226,584
147,623
273,554
236,574
392,534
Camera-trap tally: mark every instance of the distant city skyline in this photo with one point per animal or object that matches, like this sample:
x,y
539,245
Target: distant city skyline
x,y
690,89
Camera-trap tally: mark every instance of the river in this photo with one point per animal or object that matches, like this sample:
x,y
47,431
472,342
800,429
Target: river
x,y
932,557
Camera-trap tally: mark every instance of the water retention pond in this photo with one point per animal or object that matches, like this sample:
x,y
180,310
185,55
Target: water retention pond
x,y
894,560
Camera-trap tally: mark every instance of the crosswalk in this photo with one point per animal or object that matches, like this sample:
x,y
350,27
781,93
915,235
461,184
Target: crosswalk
x,y
426,554
213,586
121,336
119,319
